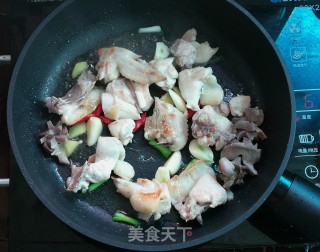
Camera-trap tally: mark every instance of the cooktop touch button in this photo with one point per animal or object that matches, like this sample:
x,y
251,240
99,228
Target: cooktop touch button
x,y
311,171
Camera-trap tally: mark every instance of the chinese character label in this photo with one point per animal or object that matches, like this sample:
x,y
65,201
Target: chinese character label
x,y
167,233
135,233
152,234
185,232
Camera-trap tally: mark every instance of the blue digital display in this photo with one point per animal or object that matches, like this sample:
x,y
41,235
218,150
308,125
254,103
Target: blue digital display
x,y
299,44
307,100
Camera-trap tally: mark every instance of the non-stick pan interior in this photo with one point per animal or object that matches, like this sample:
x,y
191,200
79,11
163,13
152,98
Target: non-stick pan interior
x,y
245,64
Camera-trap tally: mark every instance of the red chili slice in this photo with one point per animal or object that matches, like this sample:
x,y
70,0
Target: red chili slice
x,y
98,110
140,122
105,120
191,113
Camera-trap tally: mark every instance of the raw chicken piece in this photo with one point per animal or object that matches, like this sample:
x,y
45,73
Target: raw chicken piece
x,y
184,53
109,156
109,152
229,173
100,171
212,93
249,152
165,67
188,52
80,100
204,52
222,109
135,93
89,104
191,82
164,206
230,195
116,109
254,115
81,177
248,129
148,198
109,147
122,130
239,104
143,97
211,128
240,123
168,125
207,192
180,185
76,182
118,88
74,97
183,49
190,35
114,61
55,135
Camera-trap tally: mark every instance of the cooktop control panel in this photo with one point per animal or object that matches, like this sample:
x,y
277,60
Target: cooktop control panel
x,y
299,44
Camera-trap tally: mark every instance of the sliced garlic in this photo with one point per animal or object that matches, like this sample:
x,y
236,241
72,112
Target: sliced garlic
x,y
178,101
79,68
94,130
177,90
70,146
162,51
162,174
167,98
173,163
201,152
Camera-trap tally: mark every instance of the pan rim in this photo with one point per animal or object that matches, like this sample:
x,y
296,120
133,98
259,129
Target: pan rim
x,y
145,247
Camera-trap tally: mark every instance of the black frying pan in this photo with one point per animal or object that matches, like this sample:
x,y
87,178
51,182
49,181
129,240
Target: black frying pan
x,y
246,63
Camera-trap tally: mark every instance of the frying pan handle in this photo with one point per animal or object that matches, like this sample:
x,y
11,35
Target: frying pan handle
x,y
4,182
5,59
297,201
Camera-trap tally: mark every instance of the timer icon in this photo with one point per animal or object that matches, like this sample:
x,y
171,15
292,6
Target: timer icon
x,y
311,172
